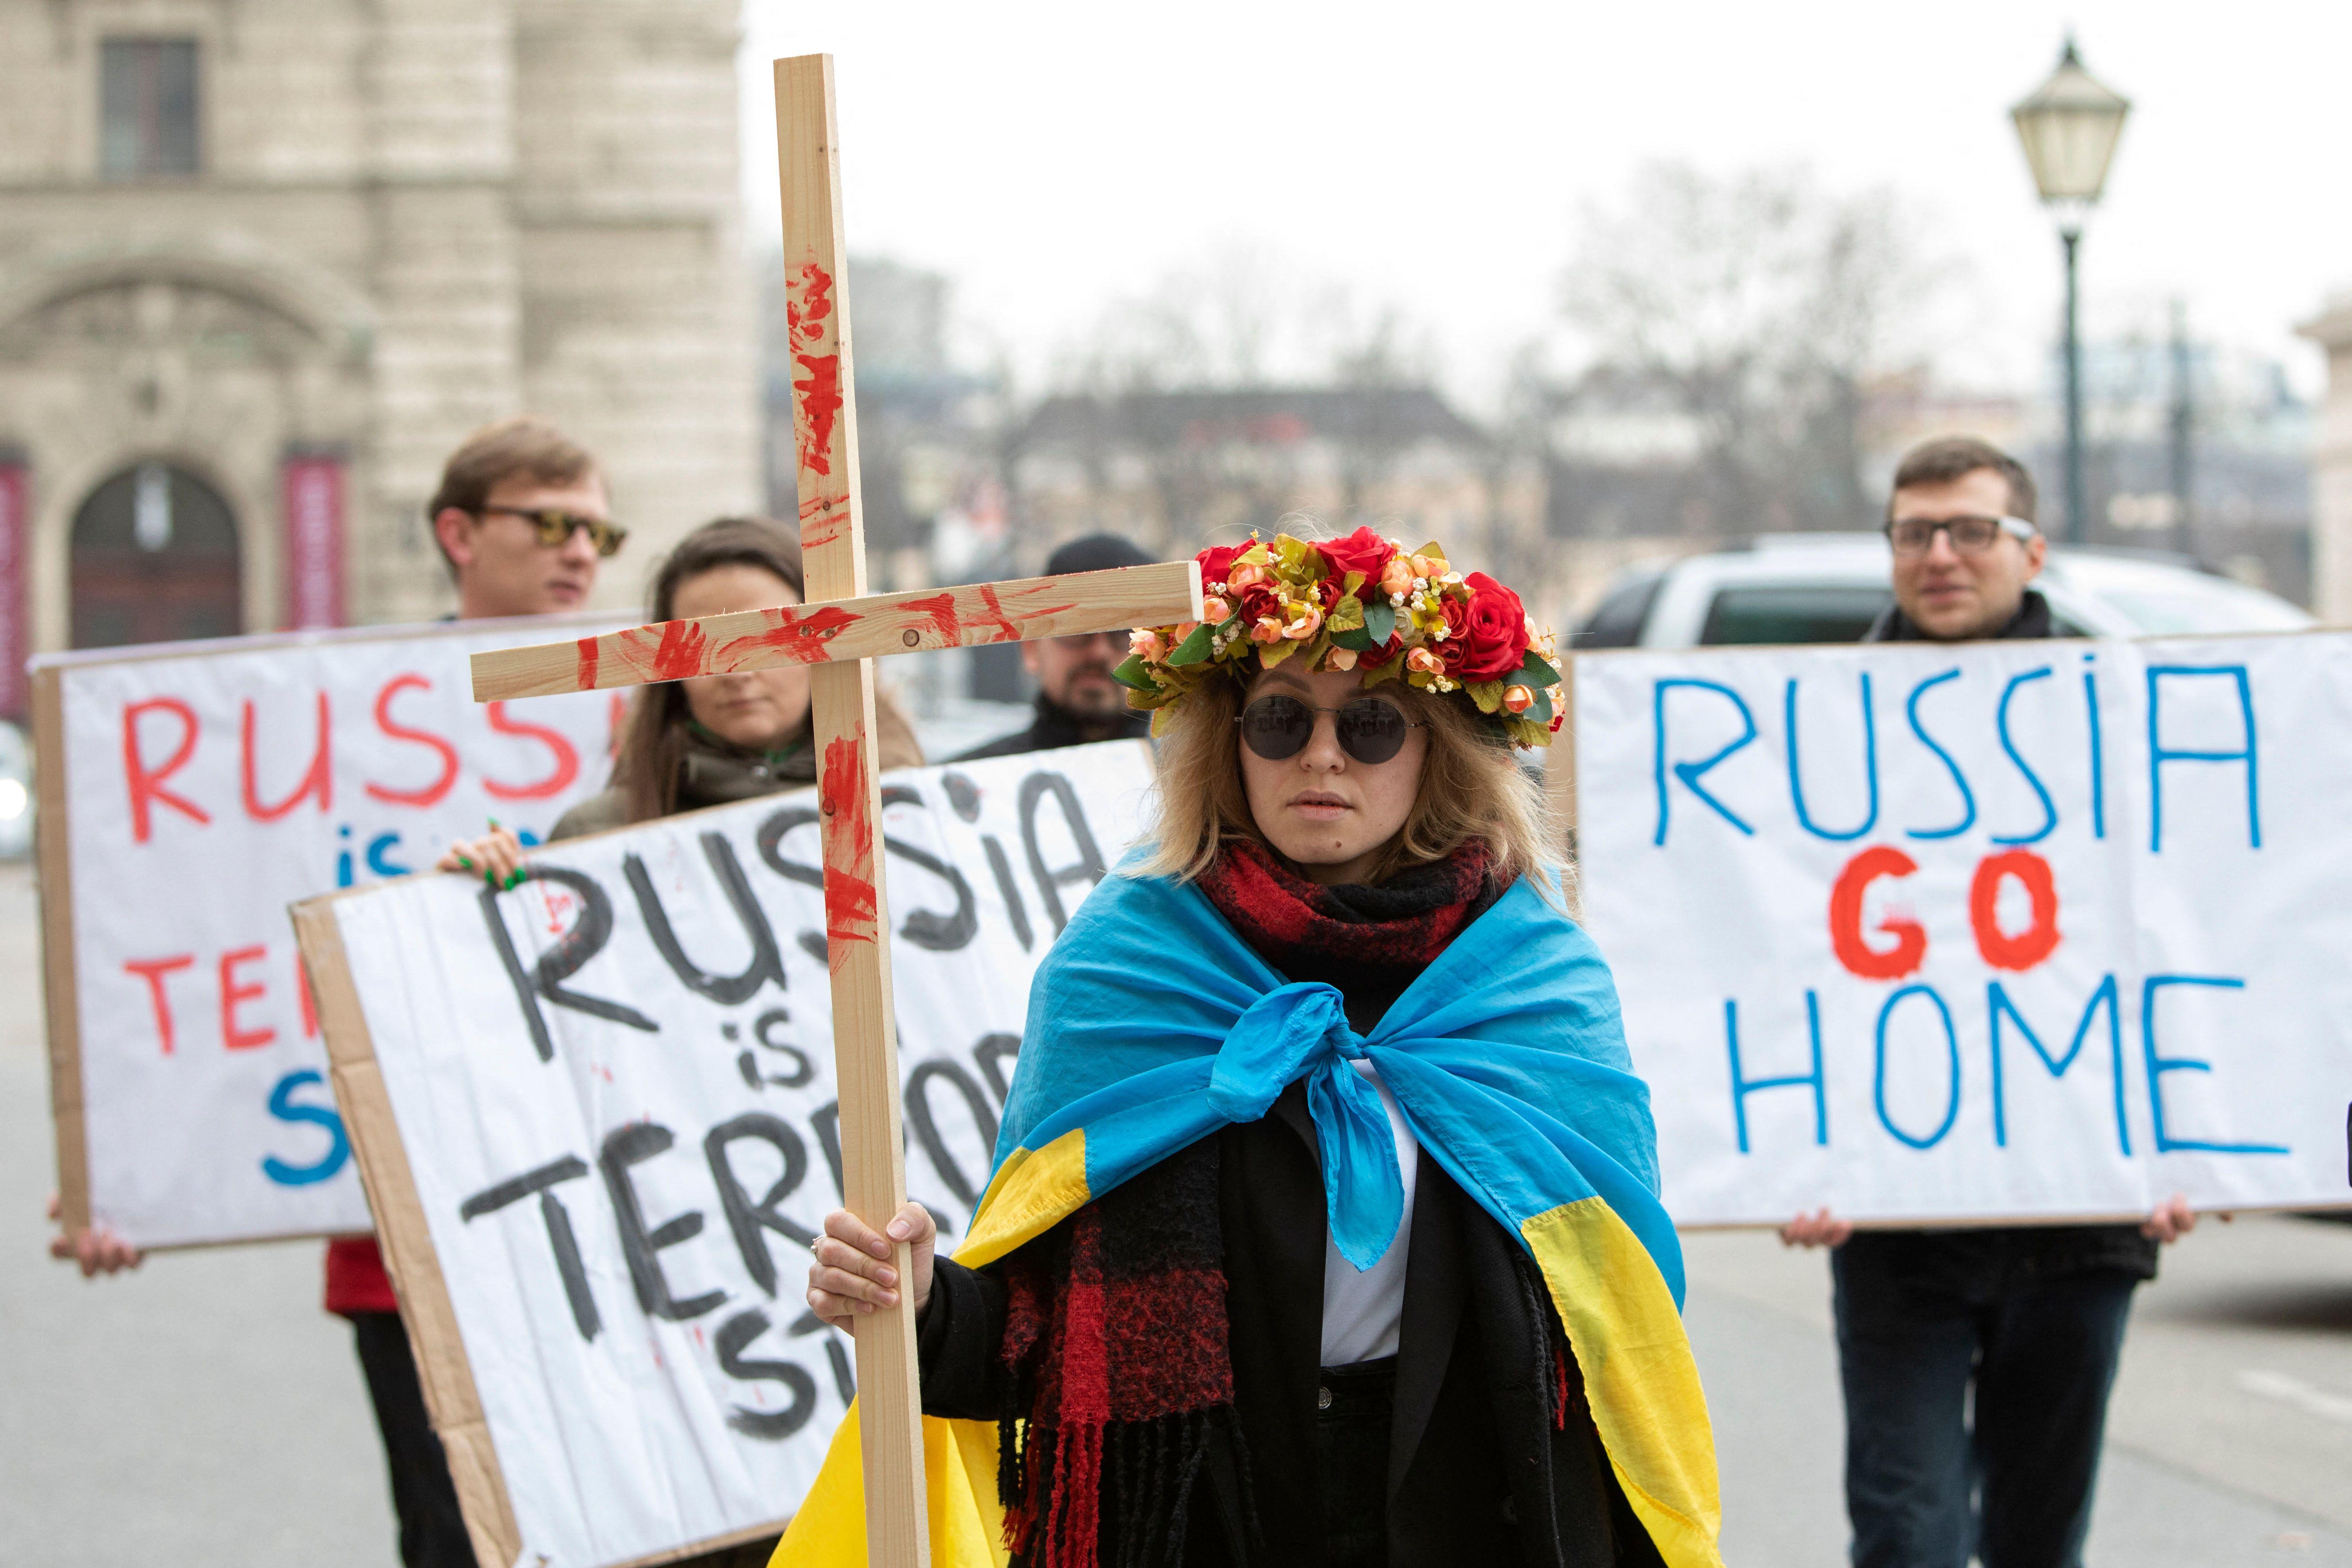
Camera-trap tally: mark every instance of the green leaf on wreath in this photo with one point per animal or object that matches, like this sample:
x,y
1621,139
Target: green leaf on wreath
x,y
1193,649
1135,673
1380,621
1347,614
1486,694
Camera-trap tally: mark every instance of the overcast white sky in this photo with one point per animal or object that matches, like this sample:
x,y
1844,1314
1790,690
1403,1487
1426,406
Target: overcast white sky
x,y
1052,157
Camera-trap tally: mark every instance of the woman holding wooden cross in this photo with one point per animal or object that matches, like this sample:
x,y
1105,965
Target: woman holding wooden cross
x,y
1323,1226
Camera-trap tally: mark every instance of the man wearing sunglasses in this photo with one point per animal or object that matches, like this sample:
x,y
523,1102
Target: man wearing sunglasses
x,y
1975,1360
522,519
1077,701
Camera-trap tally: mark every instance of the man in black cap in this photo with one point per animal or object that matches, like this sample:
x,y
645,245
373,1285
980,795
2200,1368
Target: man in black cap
x,y
1077,701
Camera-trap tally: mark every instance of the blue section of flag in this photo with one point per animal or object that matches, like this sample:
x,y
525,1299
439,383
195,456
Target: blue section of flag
x,y
1151,1023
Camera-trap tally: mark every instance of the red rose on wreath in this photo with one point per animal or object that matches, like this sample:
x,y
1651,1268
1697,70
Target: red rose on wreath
x,y
1362,551
1215,562
1455,647
1257,602
1491,637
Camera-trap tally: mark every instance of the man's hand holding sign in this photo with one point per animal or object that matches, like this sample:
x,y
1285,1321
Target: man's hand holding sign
x,y
838,633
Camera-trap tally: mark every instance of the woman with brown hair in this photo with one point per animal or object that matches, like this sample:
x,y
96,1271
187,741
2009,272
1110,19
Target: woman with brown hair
x,y
1325,1224
717,737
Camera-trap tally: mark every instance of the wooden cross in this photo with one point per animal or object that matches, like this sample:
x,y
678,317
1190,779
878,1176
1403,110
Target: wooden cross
x,y
838,633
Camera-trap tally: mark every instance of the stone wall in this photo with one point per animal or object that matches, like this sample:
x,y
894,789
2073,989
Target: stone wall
x,y
413,216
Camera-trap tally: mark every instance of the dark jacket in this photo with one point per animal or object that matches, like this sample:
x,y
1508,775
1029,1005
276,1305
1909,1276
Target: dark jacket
x,y
2018,1253
1053,727
711,773
1477,1473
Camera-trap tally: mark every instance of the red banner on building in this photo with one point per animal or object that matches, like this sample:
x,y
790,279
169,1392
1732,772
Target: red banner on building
x,y
16,586
315,490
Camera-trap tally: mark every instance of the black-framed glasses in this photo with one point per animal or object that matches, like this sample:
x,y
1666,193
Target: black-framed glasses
x,y
1969,536
1369,729
554,526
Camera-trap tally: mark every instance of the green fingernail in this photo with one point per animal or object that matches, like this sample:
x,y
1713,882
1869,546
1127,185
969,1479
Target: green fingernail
x,y
514,880
465,861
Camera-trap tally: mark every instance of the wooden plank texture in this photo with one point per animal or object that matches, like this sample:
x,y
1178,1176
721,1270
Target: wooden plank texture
x,y
53,856
833,629
849,794
451,1399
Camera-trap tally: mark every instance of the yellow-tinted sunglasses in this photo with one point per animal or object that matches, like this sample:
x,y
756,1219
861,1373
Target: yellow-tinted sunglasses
x,y
555,526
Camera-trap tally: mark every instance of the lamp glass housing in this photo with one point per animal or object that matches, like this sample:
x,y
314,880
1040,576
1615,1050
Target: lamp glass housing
x,y
2069,127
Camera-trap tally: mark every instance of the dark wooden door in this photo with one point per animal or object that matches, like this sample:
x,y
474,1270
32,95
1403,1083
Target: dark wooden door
x,y
155,558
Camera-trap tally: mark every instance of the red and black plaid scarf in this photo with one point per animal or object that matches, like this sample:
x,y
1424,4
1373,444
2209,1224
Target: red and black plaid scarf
x,y
1115,1328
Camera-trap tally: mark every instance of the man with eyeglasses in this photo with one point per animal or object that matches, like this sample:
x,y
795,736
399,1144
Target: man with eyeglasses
x,y
522,519
1077,701
1975,1361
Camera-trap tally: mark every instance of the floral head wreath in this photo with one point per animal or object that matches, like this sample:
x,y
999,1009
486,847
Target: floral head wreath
x,y
1362,603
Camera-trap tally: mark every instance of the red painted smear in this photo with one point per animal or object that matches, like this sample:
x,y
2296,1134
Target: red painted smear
x,y
682,654
808,305
941,611
587,673
801,637
999,619
849,911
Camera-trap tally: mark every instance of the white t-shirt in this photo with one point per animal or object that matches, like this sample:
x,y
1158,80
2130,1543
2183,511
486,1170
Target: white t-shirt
x,y
1361,1312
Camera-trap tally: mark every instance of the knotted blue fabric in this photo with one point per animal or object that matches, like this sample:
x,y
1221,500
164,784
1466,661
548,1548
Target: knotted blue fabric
x,y
1301,1030
1153,1023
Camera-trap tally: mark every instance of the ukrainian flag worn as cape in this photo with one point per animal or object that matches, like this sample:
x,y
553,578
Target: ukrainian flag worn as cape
x,y
1152,1024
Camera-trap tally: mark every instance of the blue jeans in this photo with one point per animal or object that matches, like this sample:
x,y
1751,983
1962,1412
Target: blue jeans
x,y
1921,1316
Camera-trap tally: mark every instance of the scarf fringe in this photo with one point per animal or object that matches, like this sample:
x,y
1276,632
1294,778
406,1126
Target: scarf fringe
x,y
1051,1481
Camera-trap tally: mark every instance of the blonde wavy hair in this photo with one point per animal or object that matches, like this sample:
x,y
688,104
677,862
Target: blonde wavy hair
x,y
1471,787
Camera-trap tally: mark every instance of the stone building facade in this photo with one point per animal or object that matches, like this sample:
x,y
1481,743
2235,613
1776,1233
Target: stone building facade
x,y
263,264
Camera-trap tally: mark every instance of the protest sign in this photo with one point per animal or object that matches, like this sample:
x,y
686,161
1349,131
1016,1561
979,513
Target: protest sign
x,y
599,1123
1986,931
186,795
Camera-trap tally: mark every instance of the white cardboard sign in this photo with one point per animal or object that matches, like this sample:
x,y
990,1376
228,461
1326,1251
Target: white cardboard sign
x,y
613,1096
203,787
1988,932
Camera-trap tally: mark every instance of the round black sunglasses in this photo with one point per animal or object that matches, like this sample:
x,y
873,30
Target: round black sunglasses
x,y
1369,730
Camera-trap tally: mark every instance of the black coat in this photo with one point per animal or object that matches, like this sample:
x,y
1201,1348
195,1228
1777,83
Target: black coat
x,y
1052,728
1477,1472
2025,1253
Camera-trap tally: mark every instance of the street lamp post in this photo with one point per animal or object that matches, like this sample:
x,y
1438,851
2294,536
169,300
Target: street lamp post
x,y
2069,126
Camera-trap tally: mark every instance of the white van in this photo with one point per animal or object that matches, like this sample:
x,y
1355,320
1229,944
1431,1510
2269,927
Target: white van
x,y
16,794
1828,588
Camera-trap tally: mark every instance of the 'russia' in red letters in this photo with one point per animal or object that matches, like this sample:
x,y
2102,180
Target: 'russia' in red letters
x,y
567,761
432,794
146,783
319,781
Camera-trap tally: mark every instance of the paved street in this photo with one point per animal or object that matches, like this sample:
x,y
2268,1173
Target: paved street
x,y
205,1413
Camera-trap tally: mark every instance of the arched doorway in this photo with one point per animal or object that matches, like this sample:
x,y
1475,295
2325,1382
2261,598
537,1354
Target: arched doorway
x,y
155,559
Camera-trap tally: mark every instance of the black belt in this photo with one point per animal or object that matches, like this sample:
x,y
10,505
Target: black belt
x,y
1356,1386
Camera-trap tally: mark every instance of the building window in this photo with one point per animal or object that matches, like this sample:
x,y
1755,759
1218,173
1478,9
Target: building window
x,y
147,108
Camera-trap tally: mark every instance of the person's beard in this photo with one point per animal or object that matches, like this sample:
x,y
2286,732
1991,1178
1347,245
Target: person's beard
x,y
1090,694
